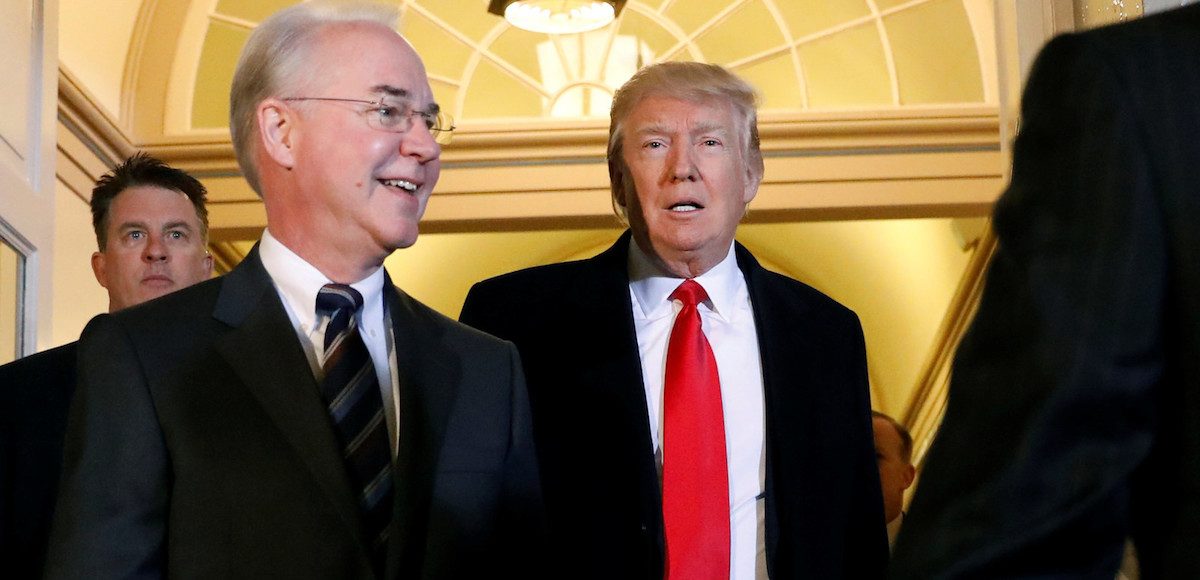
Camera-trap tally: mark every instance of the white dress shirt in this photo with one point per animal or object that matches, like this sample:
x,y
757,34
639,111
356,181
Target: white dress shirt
x,y
728,322
298,282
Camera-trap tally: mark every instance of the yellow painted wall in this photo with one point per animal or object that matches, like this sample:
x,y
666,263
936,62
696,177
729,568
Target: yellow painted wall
x,y
93,39
898,275
77,295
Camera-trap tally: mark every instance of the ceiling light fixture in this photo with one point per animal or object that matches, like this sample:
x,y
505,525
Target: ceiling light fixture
x,y
557,16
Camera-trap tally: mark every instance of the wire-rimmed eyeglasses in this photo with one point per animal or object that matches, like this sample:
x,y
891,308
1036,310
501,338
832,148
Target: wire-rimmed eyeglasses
x,y
397,118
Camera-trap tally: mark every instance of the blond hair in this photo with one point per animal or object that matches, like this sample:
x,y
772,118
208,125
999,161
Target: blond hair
x,y
688,81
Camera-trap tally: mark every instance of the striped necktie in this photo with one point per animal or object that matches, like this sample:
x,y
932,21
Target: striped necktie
x,y
350,388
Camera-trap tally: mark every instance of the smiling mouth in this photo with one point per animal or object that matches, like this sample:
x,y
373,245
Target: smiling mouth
x,y
686,207
400,184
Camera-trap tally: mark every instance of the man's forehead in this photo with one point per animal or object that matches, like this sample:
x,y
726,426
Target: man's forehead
x,y
142,202
370,55
144,190
659,112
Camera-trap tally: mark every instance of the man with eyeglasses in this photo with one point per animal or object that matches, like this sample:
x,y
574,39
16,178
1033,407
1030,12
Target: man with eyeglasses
x,y
301,417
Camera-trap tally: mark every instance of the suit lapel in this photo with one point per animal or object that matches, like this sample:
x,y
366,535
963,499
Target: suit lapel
x,y
619,363
428,376
786,354
615,363
264,352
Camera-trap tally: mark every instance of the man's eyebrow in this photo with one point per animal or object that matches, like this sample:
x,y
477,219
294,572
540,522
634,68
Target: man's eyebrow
x,y
650,129
129,225
391,91
698,129
710,127
177,225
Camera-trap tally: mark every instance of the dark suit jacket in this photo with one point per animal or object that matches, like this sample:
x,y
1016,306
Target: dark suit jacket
x,y
35,393
1074,413
573,324
198,446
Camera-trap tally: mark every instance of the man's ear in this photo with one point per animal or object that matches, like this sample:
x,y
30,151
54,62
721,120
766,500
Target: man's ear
x,y
910,474
208,264
749,193
753,180
619,194
616,178
276,121
99,268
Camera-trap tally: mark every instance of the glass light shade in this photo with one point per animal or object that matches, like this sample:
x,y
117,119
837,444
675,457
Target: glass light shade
x,y
559,16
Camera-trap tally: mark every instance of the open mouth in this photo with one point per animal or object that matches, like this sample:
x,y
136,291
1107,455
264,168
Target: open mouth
x,y
687,206
399,184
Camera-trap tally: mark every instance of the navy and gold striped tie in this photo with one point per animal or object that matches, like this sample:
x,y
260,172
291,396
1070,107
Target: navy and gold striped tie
x,y
351,390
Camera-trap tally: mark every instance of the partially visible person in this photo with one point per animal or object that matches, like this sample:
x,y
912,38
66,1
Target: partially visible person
x,y
302,417
696,415
1074,409
893,453
151,229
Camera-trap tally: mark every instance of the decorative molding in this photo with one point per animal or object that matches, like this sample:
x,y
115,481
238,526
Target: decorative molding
x,y
933,161
88,138
225,256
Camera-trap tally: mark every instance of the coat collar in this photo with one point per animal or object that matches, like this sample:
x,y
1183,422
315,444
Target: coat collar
x,y
429,372
265,353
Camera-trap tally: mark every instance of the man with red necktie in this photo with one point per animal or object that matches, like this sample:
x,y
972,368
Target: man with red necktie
x,y
696,416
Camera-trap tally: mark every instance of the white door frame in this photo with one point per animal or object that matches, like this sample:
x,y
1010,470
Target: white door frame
x,y
28,105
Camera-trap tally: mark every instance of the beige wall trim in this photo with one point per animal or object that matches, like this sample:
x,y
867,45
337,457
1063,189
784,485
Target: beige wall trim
x,y
787,133
934,161
225,256
938,162
89,142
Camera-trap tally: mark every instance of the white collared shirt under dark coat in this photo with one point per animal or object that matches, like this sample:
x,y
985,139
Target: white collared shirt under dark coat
x,y
298,282
727,319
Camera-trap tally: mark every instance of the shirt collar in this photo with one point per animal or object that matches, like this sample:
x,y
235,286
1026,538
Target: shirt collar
x,y
652,287
298,283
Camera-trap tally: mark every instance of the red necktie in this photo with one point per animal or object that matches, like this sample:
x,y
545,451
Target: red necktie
x,y
695,476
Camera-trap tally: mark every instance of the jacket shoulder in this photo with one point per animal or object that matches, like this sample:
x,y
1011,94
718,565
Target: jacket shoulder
x,y
1126,44
40,363
520,281
186,302
454,333
785,290
31,386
